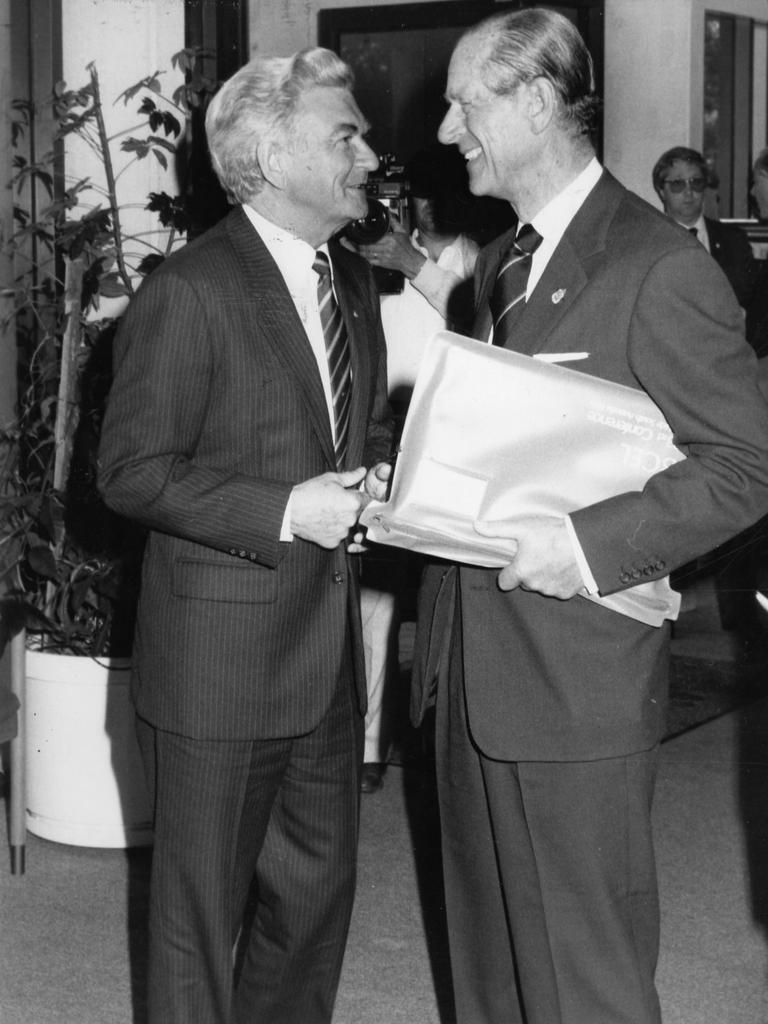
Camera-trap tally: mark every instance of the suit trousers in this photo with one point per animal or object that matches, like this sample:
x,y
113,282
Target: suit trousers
x,y
550,883
267,826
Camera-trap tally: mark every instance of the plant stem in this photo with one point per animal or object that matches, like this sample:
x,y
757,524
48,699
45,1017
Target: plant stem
x,y
109,172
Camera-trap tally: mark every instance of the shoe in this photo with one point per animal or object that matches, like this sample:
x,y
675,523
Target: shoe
x,y
371,777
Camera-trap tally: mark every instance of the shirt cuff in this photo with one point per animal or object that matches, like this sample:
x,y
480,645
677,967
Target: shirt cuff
x,y
590,584
285,530
436,284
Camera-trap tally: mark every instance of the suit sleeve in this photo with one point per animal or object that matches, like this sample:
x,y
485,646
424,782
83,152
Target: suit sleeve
x,y
149,469
686,348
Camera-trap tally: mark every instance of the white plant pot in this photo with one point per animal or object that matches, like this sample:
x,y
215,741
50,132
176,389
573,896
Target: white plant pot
x,y
85,781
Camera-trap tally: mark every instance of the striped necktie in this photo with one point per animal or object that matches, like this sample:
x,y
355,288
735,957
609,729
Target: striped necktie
x,y
337,350
508,296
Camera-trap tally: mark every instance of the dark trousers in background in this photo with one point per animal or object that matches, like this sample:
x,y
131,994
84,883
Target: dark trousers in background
x,y
282,812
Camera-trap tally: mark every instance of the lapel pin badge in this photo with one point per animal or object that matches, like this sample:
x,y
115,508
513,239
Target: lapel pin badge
x,y
558,296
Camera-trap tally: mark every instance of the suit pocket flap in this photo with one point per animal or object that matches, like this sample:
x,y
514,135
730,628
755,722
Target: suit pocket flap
x,y
215,581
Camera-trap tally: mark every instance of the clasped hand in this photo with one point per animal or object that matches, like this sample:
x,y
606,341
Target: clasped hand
x,y
325,508
543,561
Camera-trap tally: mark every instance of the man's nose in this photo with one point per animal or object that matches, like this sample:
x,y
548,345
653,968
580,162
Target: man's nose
x,y
366,157
452,126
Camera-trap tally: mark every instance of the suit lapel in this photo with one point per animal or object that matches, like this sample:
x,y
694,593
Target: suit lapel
x,y
565,276
277,322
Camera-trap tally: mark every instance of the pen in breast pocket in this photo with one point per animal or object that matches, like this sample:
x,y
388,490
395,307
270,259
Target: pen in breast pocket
x,y
560,357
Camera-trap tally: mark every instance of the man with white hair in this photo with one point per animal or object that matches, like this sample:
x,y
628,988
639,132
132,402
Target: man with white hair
x,y
550,707
249,396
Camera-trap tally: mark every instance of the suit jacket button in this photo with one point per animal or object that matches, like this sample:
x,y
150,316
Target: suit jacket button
x,y
624,577
338,577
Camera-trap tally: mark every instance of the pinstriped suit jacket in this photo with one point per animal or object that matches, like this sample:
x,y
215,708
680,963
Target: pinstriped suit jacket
x,y
215,413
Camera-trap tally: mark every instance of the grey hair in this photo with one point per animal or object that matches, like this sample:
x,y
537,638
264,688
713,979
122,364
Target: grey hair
x,y
259,103
539,43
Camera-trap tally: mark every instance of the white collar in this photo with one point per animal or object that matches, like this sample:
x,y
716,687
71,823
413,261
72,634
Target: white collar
x,y
554,218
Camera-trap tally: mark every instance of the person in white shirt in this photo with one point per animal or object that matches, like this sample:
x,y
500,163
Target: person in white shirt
x,y
436,259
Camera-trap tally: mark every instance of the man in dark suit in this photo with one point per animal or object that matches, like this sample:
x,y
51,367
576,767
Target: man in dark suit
x,y
680,179
234,434
549,706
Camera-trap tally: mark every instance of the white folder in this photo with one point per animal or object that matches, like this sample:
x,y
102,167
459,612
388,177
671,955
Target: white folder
x,y
492,434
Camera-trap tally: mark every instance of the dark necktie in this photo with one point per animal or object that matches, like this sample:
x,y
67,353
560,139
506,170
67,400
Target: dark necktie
x,y
337,350
694,232
508,296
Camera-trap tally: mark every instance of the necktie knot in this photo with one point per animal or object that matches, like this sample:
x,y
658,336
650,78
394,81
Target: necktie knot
x,y
527,240
320,265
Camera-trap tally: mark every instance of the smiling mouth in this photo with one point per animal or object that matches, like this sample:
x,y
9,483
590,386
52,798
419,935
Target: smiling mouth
x,y
472,154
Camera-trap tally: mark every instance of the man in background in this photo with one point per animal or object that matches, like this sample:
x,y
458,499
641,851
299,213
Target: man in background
x,y
680,179
249,395
550,707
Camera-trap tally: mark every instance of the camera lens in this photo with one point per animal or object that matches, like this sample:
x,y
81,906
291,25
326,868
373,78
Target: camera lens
x,y
369,229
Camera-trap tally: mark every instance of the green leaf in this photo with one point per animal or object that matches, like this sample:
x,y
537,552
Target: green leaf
x,y
42,562
112,287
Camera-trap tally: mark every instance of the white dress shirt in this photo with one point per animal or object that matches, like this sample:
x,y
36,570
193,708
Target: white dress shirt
x,y
294,258
412,316
551,223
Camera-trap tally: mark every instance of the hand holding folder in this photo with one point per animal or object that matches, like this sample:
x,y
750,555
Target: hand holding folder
x,y
493,435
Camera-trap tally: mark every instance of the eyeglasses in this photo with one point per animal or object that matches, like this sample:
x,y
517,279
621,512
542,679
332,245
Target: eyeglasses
x,y
678,185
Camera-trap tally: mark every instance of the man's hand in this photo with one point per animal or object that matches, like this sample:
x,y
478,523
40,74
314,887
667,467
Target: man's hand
x,y
394,251
544,561
374,488
325,508
377,481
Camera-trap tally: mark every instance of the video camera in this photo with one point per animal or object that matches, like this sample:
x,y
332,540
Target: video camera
x,y
387,191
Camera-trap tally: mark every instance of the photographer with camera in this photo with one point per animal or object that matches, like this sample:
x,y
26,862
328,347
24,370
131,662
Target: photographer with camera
x,y
436,261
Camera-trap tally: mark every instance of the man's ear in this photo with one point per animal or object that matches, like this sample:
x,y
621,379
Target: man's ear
x,y
542,103
271,163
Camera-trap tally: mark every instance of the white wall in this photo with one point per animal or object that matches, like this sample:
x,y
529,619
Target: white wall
x,y
127,40
653,99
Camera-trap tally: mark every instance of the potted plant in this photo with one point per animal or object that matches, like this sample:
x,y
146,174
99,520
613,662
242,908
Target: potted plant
x,y
69,567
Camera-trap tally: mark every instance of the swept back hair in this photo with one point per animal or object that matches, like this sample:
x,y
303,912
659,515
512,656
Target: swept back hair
x,y
540,43
259,103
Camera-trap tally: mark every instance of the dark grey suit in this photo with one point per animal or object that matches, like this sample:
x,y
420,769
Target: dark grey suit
x,y
730,248
548,722
247,649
